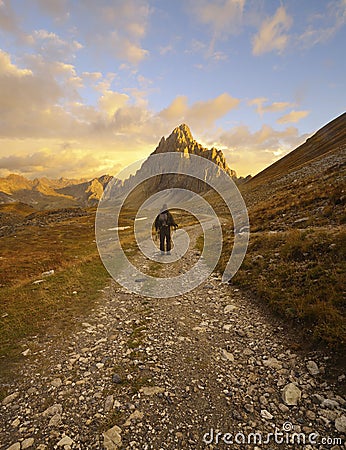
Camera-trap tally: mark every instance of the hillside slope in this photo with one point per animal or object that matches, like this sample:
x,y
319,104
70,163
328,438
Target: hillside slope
x,y
297,252
329,138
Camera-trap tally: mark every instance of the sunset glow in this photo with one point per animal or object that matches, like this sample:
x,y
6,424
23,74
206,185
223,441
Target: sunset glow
x,y
88,87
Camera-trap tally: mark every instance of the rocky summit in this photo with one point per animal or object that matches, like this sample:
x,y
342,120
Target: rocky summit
x,y
181,140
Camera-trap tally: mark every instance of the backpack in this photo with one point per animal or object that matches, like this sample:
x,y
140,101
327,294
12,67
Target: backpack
x,y
163,220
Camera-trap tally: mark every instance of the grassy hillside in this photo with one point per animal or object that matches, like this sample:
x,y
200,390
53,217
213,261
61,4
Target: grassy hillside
x,y
296,258
66,246
331,137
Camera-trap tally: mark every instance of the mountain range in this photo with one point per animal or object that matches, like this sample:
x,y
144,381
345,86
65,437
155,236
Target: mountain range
x,y
44,193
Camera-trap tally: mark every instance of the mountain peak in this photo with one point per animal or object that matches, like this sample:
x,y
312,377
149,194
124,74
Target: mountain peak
x,y
181,140
182,132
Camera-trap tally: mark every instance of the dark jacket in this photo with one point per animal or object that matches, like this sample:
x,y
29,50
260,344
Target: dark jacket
x,y
170,222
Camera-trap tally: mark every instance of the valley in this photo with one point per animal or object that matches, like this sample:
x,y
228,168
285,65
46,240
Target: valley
x,y
87,364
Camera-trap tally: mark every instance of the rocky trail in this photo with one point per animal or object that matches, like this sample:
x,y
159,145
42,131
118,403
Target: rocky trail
x,y
204,370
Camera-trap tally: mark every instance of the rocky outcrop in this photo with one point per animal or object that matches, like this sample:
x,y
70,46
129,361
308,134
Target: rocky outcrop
x,y
181,140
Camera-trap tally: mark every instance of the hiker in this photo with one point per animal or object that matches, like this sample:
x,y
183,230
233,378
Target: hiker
x,y
163,223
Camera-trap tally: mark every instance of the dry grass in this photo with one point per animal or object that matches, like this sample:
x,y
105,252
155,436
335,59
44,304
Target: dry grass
x,y
67,246
321,200
300,274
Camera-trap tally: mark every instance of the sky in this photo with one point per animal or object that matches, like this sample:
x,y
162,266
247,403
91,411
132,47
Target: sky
x,y
88,87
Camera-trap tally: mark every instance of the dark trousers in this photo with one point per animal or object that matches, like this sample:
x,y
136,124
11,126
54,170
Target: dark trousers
x,y
165,235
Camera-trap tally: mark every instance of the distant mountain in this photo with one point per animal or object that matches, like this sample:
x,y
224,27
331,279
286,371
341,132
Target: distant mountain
x,y
329,138
45,193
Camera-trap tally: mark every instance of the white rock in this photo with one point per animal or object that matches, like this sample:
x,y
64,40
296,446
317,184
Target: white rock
x,y
15,423
26,352
109,403
291,394
66,440
227,356
273,363
56,382
55,421
228,326
340,424
312,368
10,398
151,390
134,416
229,308
112,438
29,442
266,414
15,446
52,410
48,273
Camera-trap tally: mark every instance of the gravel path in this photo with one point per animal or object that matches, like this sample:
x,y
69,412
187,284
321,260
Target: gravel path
x,y
157,374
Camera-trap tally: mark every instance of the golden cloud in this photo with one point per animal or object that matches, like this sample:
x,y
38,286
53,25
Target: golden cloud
x,y
251,152
111,101
293,117
200,114
271,35
271,107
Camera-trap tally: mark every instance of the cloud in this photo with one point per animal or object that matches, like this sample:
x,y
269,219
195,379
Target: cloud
x,y
49,162
166,49
250,152
176,110
8,20
41,109
116,28
272,36
205,113
293,117
271,107
20,89
200,114
112,101
91,76
324,26
56,8
34,101
222,16
52,46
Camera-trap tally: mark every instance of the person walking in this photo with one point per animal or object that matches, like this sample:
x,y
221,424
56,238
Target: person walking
x,y
163,223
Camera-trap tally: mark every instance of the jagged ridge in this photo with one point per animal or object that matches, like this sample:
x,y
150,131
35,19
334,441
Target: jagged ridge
x,y
181,140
